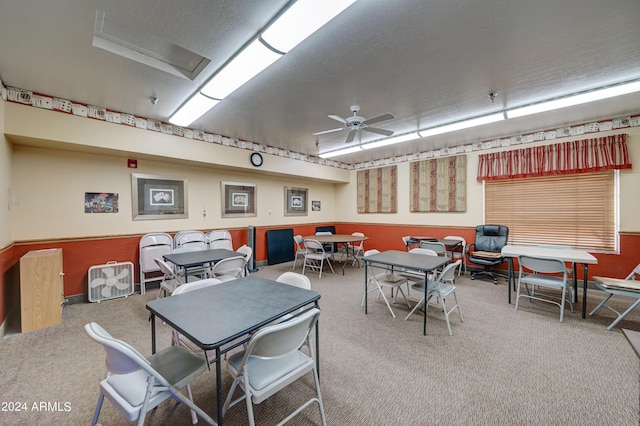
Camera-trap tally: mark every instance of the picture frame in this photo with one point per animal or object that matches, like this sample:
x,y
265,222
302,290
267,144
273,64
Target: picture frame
x,y
101,202
238,199
158,197
295,201
315,206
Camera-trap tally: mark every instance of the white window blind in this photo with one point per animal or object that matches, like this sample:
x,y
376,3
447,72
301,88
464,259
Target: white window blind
x,y
577,210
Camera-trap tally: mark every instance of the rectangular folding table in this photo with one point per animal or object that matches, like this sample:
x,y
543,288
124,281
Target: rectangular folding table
x,y
214,316
403,259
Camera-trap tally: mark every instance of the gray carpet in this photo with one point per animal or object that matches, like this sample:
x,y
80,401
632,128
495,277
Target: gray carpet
x,y
501,366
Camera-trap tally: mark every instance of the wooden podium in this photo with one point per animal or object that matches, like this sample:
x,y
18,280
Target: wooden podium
x,y
41,289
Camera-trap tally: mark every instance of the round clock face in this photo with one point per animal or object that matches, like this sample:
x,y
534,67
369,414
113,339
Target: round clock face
x,y
256,159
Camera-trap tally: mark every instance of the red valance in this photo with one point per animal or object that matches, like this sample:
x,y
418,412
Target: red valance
x,y
587,155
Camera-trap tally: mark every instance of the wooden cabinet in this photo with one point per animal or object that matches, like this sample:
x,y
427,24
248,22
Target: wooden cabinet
x,y
41,289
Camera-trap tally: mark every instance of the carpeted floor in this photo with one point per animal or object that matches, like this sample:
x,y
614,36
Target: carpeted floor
x,y
501,366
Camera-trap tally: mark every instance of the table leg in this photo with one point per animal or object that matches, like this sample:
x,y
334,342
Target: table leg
x,y
219,385
153,333
366,284
511,274
584,288
426,284
318,347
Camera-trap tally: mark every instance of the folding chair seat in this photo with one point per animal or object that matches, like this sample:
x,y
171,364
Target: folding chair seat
x,y
628,287
136,385
272,361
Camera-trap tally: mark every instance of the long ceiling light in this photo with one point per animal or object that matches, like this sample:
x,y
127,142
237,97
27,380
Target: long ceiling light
x,y
242,68
301,20
459,125
298,22
577,99
344,151
193,109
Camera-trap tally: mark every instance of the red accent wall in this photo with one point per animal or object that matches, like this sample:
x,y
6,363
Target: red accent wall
x,y
80,255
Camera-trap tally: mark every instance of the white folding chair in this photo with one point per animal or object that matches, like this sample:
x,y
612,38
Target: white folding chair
x,y
229,269
248,253
151,246
355,248
135,385
272,361
440,288
170,280
615,288
379,277
544,273
191,239
220,239
316,257
300,250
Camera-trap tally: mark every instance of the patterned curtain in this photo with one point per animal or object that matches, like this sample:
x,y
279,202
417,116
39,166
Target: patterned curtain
x,y
377,190
587,155
439,185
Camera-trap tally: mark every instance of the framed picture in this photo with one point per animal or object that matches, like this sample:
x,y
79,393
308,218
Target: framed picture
x,y
295,201
238,199
158,197
315,206
100,202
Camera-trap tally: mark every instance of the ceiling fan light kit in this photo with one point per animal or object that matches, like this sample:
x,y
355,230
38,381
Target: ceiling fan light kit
x,y
356,123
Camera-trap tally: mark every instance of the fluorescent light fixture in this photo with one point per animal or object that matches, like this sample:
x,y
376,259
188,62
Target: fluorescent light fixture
x,y
343,151
580,98
301,20
242,68
370,145
465,124
391,141
193,109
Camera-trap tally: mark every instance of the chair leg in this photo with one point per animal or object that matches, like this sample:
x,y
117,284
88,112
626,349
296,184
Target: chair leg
x,y
601,304
624,314
420,303
96,414
194,418
446,315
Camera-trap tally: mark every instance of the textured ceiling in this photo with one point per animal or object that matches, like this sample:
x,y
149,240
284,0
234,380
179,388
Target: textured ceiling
x,y
426,62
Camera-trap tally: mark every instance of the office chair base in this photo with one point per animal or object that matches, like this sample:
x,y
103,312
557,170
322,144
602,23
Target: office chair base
x,y
493,275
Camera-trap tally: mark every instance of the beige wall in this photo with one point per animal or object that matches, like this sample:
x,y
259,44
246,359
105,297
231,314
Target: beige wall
x,y
50,177
5,184
51,185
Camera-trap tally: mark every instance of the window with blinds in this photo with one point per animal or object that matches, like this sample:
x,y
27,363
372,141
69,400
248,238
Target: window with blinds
x,y
577,210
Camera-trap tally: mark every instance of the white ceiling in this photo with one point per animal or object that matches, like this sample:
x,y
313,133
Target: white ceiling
x,y
428,62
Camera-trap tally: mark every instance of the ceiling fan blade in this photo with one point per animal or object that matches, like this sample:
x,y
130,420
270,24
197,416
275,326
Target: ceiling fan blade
x,y
379,118
350,136
378,131
328,131
338,118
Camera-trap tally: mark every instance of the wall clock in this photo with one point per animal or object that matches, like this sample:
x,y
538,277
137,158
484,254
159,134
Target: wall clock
x,y
256,159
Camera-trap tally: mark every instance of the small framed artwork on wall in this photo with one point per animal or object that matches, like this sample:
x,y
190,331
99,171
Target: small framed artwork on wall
x,y
238,199
295,201
158,197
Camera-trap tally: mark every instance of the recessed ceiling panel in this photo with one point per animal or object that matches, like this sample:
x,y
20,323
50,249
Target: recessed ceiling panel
x,y
146,48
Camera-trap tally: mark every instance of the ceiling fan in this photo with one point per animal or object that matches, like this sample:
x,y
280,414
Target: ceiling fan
x,y
355,124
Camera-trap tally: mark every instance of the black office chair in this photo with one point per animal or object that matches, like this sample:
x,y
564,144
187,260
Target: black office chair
x,y
486,250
